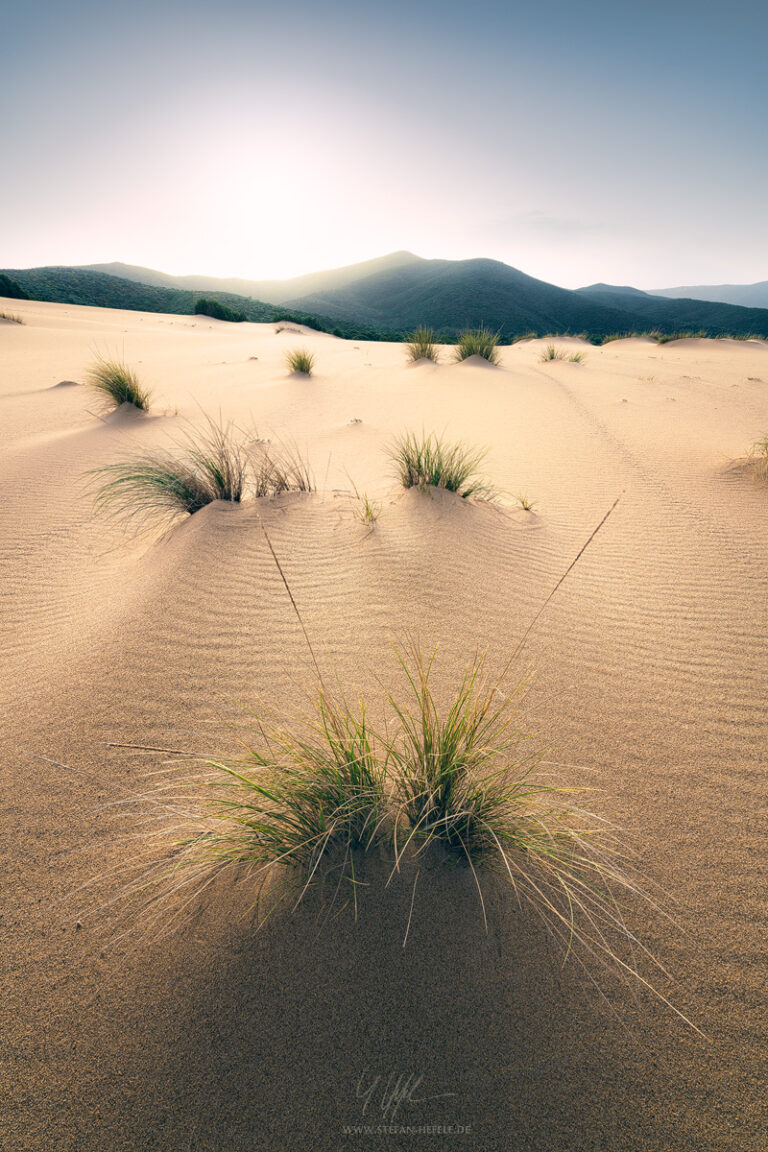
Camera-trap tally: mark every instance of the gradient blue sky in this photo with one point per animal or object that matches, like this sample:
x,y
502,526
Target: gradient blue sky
x,y
586,141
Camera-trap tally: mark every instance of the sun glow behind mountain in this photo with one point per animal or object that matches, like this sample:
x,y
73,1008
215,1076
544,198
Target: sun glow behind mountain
x,y
245,140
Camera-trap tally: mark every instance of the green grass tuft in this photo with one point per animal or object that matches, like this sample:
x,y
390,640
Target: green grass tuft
x,y
368,511
429,462
300,804
421,345
117,384
300,360
552,352
478,342
526,504
212,465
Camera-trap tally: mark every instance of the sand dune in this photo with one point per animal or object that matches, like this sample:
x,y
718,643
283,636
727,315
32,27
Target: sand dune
x,y
649,673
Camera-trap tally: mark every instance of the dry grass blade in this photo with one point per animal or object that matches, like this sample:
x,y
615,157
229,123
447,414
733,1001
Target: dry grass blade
x,y
280,469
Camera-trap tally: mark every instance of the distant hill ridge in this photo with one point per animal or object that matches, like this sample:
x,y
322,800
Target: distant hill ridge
x,y
388,297
745,295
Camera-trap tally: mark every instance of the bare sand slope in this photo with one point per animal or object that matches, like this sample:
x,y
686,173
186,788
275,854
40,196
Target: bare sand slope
x,y
650,671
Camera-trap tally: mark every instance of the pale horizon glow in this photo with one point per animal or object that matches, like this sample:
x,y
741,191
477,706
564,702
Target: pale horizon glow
x,y
576,143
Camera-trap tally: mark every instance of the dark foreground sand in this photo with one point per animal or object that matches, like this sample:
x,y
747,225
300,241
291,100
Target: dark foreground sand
x,y
651,667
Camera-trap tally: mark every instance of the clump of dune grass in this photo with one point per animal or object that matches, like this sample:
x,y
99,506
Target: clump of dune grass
x,y
13,317
758,455
477,342
466,781
576,358
278,469
206,466
421,345
300,360
299,807
117,384
429,462
552,352
454,784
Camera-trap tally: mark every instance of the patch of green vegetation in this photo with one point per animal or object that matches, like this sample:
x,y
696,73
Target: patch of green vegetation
x,y
428,462
478,342
218,311
218,463
117,384
300,360
422,345
10,289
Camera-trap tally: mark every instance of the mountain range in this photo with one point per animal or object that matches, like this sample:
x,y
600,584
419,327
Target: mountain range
x,y
387,297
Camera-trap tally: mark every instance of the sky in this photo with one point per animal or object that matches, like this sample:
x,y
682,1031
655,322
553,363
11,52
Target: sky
x,y
585,141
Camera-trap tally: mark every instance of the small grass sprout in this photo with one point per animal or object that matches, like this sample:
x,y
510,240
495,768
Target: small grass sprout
x,y
429,462
477,342
526,504
576,358
300,360
421,345
117,384
368,511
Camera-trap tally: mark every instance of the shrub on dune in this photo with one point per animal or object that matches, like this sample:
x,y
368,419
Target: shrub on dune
x,y
300,360
117,384
11,317
427,461
208,466
478,342
421,345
